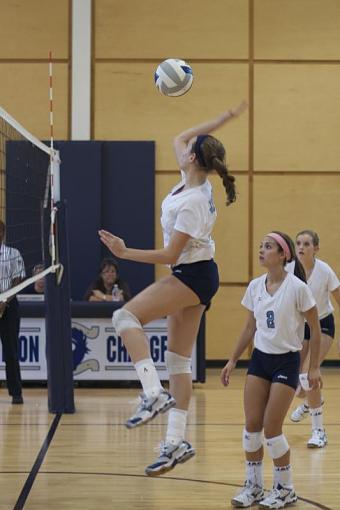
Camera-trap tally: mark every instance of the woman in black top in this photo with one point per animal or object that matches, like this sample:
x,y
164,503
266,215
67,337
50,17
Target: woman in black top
x,y
101,288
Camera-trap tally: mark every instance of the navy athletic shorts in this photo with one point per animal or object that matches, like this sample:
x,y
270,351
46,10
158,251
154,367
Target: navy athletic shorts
x,y
327,327
280,368
201,277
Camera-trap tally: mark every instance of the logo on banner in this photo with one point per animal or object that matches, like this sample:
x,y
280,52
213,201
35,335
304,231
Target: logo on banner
x,y
80,336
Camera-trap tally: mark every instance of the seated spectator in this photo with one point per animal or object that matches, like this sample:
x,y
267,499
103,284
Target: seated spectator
x,y
101,289
38,287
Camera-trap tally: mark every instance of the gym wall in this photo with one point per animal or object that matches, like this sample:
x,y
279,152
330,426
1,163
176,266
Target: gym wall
x,y
283,56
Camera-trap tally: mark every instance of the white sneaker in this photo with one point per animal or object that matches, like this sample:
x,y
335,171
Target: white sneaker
x,y
250,495
300,413
279,498
318,439
170,456
150,407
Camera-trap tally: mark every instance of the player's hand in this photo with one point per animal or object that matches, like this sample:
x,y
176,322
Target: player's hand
x,y
226,371
115,244
314,378
239,109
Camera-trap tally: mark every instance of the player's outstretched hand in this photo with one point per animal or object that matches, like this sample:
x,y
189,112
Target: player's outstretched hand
x,y
239,109
226,371
115,244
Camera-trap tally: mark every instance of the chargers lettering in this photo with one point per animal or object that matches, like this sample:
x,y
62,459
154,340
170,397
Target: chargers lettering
x,y
116,352
29,348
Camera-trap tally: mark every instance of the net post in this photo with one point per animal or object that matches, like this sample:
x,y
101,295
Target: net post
x,y
58,327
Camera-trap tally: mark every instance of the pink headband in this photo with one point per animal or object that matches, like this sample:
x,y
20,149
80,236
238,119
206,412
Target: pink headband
x,y
281,242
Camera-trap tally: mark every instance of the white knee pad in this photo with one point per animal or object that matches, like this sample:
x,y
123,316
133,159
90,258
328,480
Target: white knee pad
x,y
122,319
252,441
277,446
177,364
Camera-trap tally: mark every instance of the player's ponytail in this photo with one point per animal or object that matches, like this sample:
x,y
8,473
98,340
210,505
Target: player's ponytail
x,y
210,154
228,180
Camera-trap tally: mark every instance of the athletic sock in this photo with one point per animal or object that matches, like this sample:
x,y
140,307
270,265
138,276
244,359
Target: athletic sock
x,y
283,476
317,417
148,376
177,420
254,472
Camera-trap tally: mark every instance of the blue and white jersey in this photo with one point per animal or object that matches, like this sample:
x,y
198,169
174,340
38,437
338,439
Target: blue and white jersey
x,y
322,281
11,266
191,211
279,318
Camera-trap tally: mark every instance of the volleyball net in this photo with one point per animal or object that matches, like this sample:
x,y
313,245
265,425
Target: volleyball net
x,y
33,233
29,178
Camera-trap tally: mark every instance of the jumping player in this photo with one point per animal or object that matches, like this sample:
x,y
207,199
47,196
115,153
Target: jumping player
x,y
188,217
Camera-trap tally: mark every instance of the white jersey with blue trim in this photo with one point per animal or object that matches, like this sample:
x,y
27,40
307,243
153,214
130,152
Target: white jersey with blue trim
x,y
322,281
279,318
193,212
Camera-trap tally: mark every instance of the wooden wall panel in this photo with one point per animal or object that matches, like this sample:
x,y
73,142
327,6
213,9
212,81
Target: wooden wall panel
x,y
231,232
296,106
297,117
225,321
291,29
128,107
29,29
291,204
24,93
179,29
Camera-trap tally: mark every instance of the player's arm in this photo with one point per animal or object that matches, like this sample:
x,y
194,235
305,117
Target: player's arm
x,y
336,295
312,319
181,140
167,255
243,342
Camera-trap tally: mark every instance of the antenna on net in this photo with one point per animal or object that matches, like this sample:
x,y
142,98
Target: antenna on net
x,y
54,182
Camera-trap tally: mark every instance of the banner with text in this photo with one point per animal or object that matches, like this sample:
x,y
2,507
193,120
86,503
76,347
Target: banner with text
x,y
98,353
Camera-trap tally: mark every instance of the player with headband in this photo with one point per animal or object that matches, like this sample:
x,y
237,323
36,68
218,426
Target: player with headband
x,y
188,217
278,302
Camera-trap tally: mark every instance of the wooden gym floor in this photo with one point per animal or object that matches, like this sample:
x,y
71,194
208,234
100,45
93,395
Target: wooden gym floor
x,y
90,461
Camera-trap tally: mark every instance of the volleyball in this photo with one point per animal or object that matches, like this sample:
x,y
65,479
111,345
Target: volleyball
x,y
173,77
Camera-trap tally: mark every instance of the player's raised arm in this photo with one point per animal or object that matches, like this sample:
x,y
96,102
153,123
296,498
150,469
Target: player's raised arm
x,y
181,140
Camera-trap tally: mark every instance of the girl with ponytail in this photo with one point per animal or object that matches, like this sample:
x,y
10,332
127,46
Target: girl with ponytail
x,y
278,302
323,282
188,217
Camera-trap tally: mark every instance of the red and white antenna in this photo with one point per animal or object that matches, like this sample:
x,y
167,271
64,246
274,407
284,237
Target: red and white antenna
x,y
52,158
51,98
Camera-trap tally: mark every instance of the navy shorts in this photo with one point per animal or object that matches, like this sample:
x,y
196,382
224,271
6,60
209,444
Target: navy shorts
x,y
201,277
280,368
327,327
